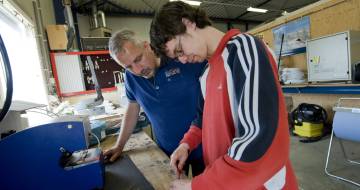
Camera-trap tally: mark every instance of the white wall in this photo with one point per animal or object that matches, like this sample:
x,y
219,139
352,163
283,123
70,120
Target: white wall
x,y
46,9
220,26
224,27
140,25
242,27
83,24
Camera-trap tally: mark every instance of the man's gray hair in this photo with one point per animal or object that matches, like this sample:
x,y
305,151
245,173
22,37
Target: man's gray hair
x,y
117,41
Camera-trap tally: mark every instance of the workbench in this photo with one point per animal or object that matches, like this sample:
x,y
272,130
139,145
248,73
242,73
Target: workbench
x,y
148,158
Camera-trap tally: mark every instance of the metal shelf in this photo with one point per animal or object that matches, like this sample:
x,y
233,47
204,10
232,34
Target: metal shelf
x,y
322,88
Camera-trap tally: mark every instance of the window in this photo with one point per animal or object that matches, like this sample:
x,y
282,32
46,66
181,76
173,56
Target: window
x,y
18,34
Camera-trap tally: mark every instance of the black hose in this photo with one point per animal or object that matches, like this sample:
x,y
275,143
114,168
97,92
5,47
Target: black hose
x,y
9,82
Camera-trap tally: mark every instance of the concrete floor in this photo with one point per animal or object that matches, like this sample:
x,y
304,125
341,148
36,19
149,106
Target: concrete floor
x,y
308,160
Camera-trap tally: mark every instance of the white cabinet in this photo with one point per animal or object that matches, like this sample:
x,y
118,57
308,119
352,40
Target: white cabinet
x,y
332,58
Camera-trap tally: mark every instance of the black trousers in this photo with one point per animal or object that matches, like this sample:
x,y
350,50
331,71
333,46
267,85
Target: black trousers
x,y
197,166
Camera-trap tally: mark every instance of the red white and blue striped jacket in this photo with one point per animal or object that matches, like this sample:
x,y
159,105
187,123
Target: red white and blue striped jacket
x,y
244,127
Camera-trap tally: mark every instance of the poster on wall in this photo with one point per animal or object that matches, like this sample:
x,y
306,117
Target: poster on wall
x,y
104,66
295,35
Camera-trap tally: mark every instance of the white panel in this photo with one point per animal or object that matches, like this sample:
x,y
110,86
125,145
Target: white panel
x,y
328,58
69,73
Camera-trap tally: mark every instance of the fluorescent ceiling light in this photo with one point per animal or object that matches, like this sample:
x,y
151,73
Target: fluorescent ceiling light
x,y
251,9
194,3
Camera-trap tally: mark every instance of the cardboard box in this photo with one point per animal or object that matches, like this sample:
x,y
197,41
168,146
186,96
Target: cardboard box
x,y
57,37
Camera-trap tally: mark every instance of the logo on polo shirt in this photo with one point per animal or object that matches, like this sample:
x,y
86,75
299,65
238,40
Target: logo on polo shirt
x,y
172,72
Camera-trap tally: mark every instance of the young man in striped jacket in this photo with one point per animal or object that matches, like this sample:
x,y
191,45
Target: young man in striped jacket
x,y
243,128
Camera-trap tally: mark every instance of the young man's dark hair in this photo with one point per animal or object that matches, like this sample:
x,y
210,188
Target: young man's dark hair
x,y
167,23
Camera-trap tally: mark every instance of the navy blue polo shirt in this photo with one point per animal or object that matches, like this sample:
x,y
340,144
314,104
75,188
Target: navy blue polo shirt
x,y
170,101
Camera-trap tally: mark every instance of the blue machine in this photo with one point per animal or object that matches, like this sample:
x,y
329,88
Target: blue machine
x,y
54,155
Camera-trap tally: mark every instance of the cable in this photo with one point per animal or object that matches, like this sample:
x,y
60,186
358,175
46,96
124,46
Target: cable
x,y
40,113
97,139
9,80
47,111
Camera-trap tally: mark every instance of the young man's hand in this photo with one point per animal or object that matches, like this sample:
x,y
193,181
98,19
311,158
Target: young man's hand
x,y
182,184
112,154
178,158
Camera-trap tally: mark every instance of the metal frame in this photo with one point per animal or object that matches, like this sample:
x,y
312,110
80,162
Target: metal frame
x,y
342,149
313,89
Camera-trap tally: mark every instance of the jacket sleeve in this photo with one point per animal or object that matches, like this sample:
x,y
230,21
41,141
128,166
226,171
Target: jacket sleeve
x,y
193,136
258,155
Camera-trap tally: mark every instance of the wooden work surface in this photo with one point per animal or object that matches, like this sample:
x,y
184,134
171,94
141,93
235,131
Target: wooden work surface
x,y
148,157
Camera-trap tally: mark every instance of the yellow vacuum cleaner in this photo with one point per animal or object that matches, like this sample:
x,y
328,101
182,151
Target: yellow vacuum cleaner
x,y
308,121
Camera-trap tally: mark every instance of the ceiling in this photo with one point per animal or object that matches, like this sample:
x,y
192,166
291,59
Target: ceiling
x,y
222,10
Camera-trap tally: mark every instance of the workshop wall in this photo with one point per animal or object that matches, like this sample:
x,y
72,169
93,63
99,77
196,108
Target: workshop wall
x,y
326,17
139,24
47,10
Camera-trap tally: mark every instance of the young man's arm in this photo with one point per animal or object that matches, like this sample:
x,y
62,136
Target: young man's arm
x,y
193,136
258,155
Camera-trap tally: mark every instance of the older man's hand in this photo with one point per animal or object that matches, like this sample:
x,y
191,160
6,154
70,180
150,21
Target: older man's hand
x,y
112,154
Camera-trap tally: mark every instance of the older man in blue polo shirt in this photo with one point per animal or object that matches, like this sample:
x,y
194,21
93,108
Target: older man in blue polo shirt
x,y
166,90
